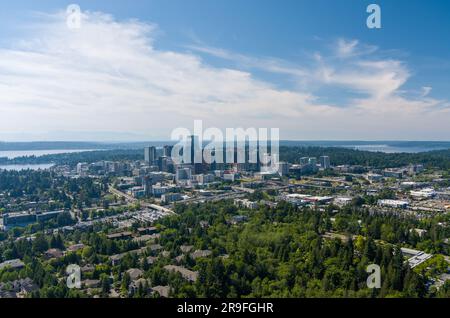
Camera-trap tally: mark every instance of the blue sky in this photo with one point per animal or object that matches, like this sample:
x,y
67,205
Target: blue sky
x,y
312,61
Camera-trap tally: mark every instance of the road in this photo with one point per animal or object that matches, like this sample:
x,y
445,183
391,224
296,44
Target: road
x,y
225,196
129,198
237,194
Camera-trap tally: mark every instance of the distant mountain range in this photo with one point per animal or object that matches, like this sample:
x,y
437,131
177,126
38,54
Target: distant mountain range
x,y
380,145
73,145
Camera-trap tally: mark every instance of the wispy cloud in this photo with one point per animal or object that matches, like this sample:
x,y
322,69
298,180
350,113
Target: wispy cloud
x,y
109,76
352,48
268,64
352,67
426,90
346,48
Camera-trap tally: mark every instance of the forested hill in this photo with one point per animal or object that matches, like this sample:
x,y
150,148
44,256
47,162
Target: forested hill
x,y
338,156
341,156
74,158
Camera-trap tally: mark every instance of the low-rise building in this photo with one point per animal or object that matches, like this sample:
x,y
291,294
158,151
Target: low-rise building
x,y
13,264
185,273
75,247
18,289
162,291
135,273
419,232
115,259
45,216
171,197
393,203
90,283
19,218
230,176
119,236
186,248
159,190
393,173
53,253
201,254
423,193
137,284
416,257
204,178
238,219
147,230
246,204
342,201
373,177
138,192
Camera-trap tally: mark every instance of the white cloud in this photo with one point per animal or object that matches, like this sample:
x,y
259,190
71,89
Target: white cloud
x,y
346,48
109,76
350,48
426,90
375,78
267,64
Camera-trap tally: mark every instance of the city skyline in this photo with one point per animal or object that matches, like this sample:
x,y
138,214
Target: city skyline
x,y
136,72
252,154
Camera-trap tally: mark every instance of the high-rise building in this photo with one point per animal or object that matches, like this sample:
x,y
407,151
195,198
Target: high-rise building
x,y
196,157
183,174
304,160
82,168
196,150
312,161
167,151
309,164
325,162
147,185
283,168
165,164
204,178
150,155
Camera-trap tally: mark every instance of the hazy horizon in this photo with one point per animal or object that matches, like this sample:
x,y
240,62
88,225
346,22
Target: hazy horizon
x,y
112,142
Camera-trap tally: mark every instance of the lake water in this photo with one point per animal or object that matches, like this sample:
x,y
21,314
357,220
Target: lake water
x,y
392,149
27,153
